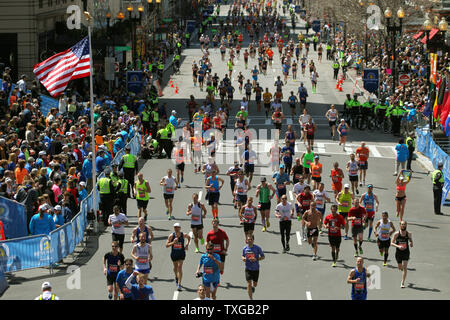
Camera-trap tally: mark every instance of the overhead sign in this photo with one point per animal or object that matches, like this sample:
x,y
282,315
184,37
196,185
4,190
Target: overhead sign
x,y
125,48
316,25
404,79
371,80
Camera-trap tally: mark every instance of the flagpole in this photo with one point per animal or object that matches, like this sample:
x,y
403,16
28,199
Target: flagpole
x,y
91,89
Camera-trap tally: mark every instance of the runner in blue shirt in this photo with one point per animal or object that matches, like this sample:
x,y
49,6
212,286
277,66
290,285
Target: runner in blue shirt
x,y
212,266
122,277
281,179
140,291
358,279
251,255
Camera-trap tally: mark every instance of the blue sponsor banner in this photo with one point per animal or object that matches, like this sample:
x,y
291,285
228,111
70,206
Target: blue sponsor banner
x,y
61,241
134,81
3,283
370,79
47,103
14,219
25,253
190,26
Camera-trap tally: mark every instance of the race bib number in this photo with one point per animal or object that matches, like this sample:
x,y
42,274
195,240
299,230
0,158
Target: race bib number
x,y
250,255
353,172
335,179
344,204
402,245
169,190
240,190
343,131
116,225
369,206
142,260
357,221
212,189
217,248
113,268
208,270
177,246
319,202
308,162
385,236
362,163
141,194
281,186
125,289
285,218
305,203
334,229
359,286
196,218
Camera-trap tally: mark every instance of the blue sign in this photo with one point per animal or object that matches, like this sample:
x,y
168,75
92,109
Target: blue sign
x,y
134,81
316,25
190,26
47,103
14,219
370,78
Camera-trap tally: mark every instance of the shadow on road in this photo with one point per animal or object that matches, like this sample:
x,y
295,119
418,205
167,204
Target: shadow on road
x,y
423,225
413,286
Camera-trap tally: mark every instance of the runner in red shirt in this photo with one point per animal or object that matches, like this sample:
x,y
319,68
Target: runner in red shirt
x,y
363,155
357,215
334,222
304,203
336,177
217,237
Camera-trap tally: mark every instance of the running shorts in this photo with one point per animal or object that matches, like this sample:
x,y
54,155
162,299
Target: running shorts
x,y
335,241
252,275
383,244
142,204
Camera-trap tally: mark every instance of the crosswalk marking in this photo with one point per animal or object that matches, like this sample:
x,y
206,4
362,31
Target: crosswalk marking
x,y
200,194
308,295
321,147
291,195
299,238
289,121
348,150
175,295
375,151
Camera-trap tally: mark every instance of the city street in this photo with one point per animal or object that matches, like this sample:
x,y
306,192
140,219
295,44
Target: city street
x,y
283,276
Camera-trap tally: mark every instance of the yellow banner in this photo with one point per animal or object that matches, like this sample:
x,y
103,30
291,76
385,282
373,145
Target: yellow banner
x,y
433,67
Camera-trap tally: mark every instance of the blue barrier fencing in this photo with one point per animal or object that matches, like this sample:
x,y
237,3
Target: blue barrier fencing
x,y
47,103
427,146
3,283
45,250
14,218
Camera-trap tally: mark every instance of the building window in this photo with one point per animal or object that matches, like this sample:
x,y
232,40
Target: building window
x,y
50,3
41,4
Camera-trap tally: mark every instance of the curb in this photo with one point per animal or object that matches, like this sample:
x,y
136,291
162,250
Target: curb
x,y
425,162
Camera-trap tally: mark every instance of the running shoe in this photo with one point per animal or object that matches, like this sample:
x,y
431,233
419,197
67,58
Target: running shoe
x,y
304,238
356,253
202,241
334,265
284,250
169,218
381,254
268,224
179,186
109,296
314,257
357,191
368,239
288,248
182,179
167,212
360,184
384,264
145,217
263,229
345,238
253,289
196,250
402,285
360,251
320,232
178,287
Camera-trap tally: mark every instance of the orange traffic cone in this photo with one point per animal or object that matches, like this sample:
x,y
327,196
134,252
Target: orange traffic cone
x,y
340,86
171,83
337,85
176,89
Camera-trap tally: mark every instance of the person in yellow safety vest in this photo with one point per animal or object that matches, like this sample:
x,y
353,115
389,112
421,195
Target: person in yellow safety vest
x,y
164,140
141,190
47,292
438,183
114,176
129,165
123,193
107,193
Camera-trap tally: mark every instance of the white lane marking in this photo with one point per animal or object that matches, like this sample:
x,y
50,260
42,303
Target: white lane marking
x,y
375,151
308,295
273,70
321,147
289,121
249,121
393,150
200,194
348,150
291,195
175,295
299,238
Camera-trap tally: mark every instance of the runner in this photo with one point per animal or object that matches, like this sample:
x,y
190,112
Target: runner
x,y
142,253
249,156
352,169
312,219
277,118
122,276
357,215
343,130
201,291
117,221
180,158
363,155
285,212
240,191
400,197
195,210
251,255
141,190
213,192
217,237
343,200
248,90
402,240
316,171
248,215
267,97
358,279
212,268
263,192
307,158
368,200
112,263
336,179
169,185
334,222
302,93
303,204
233,173
297,171
141,290
281,180
332,116
383,233
320,196
288,153
290,137
178,252
142,228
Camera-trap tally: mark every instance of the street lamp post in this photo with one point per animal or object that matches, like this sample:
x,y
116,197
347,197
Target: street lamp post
x,y
133,21
154,5
393,30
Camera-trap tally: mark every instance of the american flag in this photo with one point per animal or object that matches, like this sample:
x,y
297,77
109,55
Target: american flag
x,y
56,72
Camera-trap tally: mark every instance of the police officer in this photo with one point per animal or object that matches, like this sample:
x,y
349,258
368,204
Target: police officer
x,y
188,39
438,184
329,51
315,40
160,70
356,105
123,193
396,118
107,192
178,47
129,166
335,69
146,120
114,176
164,140
411,147
176,62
